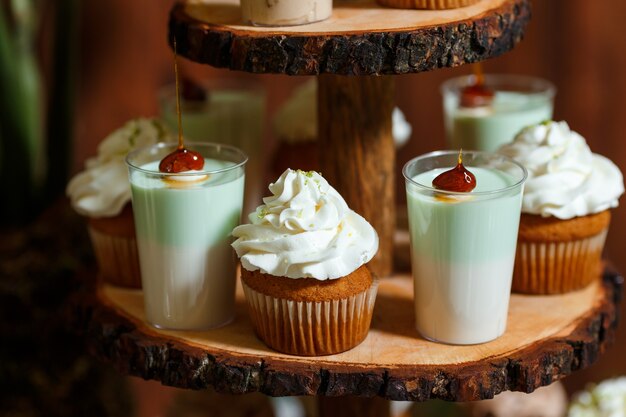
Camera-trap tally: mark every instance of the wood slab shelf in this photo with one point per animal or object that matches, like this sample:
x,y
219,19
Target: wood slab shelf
x,y
361,38
547,338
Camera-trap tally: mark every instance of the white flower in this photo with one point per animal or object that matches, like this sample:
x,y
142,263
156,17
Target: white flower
x,y
607,399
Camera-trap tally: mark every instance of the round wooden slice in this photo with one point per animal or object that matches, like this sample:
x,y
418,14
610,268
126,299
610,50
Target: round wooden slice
x,y
547,338
361,37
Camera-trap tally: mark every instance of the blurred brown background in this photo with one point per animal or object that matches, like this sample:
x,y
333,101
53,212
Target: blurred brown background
x,y
577,44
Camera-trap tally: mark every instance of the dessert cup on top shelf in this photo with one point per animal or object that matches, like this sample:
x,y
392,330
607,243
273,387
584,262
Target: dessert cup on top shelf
x,y
463,245
303,270
183,222
565,209
484,125
285,12
101,193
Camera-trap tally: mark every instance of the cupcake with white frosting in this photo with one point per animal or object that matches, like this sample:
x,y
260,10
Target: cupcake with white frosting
x,y
304,273
565,209
101,193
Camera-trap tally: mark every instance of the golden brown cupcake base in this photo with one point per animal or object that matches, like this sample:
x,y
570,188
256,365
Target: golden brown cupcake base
x,y
308,289
301,317
122,225
550,229
427,4
115,247
557,256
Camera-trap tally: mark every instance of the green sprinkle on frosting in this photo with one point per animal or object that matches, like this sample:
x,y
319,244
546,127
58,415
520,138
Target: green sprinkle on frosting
x,y
306,173
264,212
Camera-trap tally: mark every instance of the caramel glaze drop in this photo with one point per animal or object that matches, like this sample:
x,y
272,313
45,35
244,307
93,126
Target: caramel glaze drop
x,y
477,94
457,179
181,160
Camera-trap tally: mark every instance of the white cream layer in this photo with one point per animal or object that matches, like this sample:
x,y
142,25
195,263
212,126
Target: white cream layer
x,y
467,303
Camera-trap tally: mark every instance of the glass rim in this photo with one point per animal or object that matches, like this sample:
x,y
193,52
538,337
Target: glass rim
x,y
461,193
164,145
546,87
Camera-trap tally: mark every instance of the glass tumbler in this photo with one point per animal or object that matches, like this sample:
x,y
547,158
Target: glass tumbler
x,y
518,101
183,223
463,245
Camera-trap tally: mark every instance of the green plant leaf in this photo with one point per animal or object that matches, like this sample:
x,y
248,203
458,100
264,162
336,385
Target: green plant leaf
x,y
21,141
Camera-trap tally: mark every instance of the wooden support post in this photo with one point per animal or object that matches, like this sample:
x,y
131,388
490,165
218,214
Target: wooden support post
x,y
357,152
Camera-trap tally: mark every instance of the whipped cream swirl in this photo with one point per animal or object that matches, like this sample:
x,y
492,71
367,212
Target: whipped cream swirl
x,y
305,230
565,179
103,188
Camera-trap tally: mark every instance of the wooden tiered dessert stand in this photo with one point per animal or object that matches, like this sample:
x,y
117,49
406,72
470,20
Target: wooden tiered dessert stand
x,y
355,53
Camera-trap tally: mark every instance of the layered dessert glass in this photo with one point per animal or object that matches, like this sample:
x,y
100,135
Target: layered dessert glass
x,y
285,12
183,223
517,101
463,245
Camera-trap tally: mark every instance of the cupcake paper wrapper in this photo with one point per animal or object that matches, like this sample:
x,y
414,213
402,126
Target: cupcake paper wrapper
x,y
427,4
117,259
310,328
557,267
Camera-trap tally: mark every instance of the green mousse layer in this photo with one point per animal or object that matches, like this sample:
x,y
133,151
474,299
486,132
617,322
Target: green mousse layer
x,y
187,213
467,228
487,128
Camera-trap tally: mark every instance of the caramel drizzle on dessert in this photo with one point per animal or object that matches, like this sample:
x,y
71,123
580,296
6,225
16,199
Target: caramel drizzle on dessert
x,y
477,94
457,179
182,159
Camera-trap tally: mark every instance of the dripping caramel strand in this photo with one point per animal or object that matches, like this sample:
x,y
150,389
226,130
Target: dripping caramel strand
x,y
181,159
181,143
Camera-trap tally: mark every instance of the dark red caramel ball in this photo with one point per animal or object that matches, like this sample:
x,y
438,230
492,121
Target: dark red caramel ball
x,y
457,179
181,160
476,95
